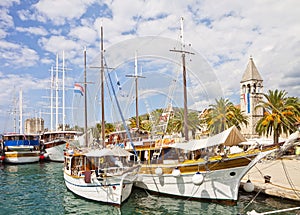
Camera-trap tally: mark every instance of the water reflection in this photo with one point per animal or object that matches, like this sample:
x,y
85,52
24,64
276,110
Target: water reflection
x,y
76,205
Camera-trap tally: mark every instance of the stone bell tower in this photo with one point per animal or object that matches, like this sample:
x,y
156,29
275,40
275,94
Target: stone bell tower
x,y
251,88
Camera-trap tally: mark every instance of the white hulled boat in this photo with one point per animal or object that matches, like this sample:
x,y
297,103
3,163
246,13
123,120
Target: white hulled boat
x,y
209,168
106,175
195,170
103,175
54,143
21,148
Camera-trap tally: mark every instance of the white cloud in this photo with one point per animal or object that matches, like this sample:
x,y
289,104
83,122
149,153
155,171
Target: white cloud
x,y
33,30
6,19
8,3
17,55
85,34
30,14
60,11
225,33
55,44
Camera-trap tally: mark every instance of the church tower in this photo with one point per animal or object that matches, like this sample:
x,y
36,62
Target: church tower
x,y
251,89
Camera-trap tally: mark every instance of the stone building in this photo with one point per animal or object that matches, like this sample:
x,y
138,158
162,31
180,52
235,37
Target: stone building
x,y
34,126
251,89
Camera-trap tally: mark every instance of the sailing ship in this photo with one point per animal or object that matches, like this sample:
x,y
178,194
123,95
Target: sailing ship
x,y
210,168
100,174
54,141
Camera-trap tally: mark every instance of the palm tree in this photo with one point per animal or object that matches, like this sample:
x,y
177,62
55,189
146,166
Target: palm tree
x,y
280,114
109,127
176,122
132,122
223,115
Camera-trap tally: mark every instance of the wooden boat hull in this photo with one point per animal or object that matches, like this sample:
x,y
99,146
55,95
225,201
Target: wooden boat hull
x,y
221,178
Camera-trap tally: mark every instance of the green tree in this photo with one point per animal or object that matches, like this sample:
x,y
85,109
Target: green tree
x,y
176,123
109,127
223,115
280,114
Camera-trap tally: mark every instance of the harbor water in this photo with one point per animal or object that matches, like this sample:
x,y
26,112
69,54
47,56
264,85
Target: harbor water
x,y
39,189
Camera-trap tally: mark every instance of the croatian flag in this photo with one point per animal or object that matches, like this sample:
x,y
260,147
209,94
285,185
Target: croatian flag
x,y
78,89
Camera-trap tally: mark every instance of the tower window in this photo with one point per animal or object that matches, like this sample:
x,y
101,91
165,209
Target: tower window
x,y
254,88
248,88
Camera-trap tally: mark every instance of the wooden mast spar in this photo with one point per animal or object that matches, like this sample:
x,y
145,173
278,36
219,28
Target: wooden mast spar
x,y
136,77
102,89
185,108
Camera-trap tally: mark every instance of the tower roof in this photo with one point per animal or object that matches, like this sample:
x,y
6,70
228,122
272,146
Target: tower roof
x,y
251,72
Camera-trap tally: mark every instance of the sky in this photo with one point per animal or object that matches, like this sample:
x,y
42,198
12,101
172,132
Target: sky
x,y
221,34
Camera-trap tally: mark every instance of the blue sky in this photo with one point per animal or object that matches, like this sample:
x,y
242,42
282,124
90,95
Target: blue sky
x,y
224,34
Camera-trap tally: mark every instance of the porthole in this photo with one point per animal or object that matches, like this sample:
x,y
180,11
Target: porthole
x,y
232,174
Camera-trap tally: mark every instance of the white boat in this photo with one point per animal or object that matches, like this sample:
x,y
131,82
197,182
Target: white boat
x,y
54,143
103,175
213,175
209,168
21,148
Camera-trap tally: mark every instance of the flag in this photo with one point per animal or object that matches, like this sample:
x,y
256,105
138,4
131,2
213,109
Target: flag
x,y
246,97
248,102
78,89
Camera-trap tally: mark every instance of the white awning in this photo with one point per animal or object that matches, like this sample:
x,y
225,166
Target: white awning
x,y
229,137
116,151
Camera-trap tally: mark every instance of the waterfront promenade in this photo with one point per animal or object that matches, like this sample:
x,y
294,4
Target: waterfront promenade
x,y
280,178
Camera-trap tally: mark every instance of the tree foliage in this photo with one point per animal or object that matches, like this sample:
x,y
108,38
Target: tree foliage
x,y
280,114
222,115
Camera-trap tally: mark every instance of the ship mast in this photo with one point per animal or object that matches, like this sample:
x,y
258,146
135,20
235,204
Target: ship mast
x,y
185,108
102,89
21,112
85,100
136,77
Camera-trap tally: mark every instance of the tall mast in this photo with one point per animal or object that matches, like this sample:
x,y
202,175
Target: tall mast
x,y
102,89
136,92
21,112
51,99
136,76
185,108
56,94
63,90
85,100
